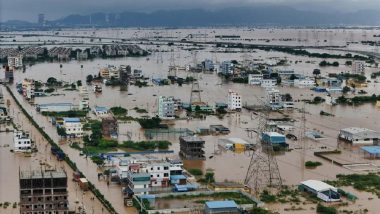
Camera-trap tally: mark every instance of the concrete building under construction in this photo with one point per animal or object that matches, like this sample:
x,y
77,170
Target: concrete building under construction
x,y
191,147
43,192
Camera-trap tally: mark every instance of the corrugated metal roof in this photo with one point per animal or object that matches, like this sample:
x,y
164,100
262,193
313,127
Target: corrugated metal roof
x,y
221,204
373,150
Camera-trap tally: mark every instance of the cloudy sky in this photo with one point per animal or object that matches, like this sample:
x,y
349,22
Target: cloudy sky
x,y
53,9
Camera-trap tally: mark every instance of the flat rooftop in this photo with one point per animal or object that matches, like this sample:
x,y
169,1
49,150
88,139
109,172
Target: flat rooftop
x,y
36,174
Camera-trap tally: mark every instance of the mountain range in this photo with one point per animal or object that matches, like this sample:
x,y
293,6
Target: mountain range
x,y
255,16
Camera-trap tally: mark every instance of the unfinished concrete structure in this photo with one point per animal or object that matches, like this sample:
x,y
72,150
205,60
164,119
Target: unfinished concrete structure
x,y
43,192
191,147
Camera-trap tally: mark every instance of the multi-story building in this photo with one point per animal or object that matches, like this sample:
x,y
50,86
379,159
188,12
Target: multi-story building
x,y
268,83
166,108
15,62
191,147
255,79
234,101
358,67
304,83
208,65
273,98
226,67
159,173
73,127
43,192
28,88
22,142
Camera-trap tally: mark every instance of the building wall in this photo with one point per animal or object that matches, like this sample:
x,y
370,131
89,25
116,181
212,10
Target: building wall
x,y
73,128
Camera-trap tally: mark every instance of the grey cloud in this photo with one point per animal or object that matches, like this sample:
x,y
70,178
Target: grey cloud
x,y
28,9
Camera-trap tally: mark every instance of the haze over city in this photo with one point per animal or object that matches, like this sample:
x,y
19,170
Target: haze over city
x,y
54,9
189,106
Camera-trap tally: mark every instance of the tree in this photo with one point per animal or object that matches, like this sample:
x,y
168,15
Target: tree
x,y
51,81
209,177
316,72
293,77
89,78
61,131
346,89
323,63
348,63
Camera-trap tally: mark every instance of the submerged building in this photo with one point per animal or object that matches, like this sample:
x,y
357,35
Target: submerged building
x,y
191,147
357,135
43,192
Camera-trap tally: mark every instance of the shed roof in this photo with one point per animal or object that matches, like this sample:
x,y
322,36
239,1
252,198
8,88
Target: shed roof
x,y
373,150
318,185
71,120
221,204
361,132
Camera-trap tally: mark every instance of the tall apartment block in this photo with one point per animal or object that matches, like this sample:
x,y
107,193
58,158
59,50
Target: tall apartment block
x,y
43,192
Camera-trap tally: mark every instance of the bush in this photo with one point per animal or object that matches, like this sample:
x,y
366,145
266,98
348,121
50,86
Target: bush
x,y
146,145
118,111
196,172
97,160
151,123
267,197
312,164
326,210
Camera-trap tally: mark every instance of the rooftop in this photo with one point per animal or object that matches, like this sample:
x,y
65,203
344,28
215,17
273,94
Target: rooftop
x,y
361,132
373,150
36,174
71,120
318,185
274,134
192,139
221,204
100,108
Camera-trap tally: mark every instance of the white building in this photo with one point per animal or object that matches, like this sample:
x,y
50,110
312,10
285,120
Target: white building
x,y
15,61
28,88
357,135
73,127
255,79
22,142
304,83
268,83
234,101
323,191
166,107
159,173
358,67
273,97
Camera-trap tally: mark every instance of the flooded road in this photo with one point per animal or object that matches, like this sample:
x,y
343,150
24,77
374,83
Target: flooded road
x,y
11,163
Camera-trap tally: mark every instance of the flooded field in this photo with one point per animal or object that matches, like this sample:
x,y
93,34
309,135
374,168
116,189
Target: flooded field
x,y
227,165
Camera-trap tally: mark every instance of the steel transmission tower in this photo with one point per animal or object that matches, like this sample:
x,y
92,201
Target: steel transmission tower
x,y
263,169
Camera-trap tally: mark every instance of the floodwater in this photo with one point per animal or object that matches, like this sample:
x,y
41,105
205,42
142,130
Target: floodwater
x,y
11,163
226,165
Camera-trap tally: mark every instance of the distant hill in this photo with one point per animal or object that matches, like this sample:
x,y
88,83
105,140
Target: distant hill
x,y
255,16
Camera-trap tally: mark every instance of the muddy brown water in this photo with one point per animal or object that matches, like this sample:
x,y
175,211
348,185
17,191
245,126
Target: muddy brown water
x,y
227,165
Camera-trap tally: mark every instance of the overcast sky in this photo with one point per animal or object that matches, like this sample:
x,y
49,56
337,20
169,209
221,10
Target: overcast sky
x,y
53,9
